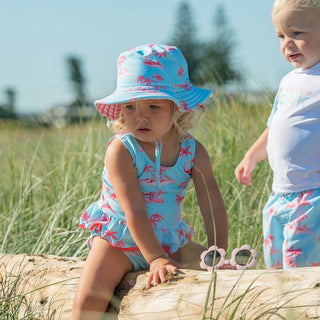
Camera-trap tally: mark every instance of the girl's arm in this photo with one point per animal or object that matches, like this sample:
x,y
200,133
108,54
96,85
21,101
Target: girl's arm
x,y
124,180
255,154
211,203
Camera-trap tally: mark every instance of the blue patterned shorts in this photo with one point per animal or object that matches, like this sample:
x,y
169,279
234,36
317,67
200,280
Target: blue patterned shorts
x,y
291,230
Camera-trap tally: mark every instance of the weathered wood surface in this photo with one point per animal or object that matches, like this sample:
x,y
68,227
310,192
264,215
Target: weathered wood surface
x,y
292,294
49,283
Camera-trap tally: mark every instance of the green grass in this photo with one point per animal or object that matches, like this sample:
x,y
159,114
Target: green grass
x,y
229,129
49,176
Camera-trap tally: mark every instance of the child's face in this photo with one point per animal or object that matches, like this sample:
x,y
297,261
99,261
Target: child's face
x,y
299,33
148,120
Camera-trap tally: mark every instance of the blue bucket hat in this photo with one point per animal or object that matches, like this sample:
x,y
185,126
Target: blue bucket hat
x,y
152,72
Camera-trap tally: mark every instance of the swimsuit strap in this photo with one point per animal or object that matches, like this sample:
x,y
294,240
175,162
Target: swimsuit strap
x,y
157,161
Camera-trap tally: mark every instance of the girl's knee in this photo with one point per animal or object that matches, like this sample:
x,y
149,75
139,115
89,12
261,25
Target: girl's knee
x,y
89,306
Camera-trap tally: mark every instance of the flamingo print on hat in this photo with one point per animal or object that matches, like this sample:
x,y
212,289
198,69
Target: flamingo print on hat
x,y
152,72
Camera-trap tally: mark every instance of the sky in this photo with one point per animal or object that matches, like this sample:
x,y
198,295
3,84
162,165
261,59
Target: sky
x,y
36,36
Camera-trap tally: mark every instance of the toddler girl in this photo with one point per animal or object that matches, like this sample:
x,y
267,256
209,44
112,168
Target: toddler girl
x,y
137,223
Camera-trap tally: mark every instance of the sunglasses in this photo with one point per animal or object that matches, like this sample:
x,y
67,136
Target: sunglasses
x,y
242,258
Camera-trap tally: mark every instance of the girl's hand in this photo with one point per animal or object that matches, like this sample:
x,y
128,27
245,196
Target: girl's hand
x,y
159,269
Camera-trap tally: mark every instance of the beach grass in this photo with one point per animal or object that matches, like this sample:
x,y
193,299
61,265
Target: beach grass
x,y
49,176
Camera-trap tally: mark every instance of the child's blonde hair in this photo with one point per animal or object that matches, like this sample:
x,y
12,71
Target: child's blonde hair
x,y
182,121
301,4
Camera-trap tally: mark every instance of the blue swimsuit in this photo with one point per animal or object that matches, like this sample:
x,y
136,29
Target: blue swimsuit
x,y
163,189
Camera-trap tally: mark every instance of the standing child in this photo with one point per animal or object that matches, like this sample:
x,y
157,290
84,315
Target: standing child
x,y
137,222
291,217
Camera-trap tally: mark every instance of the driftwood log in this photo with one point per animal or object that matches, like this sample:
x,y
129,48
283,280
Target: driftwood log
x,y
47,285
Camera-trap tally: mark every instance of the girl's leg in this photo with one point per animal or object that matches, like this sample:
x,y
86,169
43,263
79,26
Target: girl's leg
x,y
103,271
190,254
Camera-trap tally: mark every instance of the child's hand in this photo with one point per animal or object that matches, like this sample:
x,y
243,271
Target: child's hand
x,y
159,269
254,155
244,170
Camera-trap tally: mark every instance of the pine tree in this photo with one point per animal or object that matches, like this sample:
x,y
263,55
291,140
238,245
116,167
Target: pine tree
x,y
208,61
185,38
77,79
216,65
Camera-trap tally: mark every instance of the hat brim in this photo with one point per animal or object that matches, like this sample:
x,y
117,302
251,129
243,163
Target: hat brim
x,y
186,100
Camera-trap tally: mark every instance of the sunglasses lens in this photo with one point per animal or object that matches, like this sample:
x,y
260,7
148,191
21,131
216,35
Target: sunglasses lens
x,y
243,257
212,258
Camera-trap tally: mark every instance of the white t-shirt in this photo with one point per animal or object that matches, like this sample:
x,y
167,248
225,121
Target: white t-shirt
x,y
294,132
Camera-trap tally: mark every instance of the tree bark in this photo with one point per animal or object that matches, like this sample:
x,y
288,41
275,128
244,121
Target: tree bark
x,y
47,285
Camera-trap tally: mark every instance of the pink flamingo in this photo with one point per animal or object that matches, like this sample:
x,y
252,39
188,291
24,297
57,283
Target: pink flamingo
x,y
270,214
183,184
161,54
170,48
155,218
296,226
144,80
121,70
147,168
120,244
189,235
85,216
269,243
185,151
290,254
110,234
301,200
179,198
152,63
278,265
157,77
180,71
184,105
180,233
186,86
167,249
151,197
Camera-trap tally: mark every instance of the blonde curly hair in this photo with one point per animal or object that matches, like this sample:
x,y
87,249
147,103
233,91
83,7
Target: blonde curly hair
x,y
301,4
182,121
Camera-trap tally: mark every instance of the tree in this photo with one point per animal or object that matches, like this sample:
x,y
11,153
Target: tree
x,y
8,109
216,65
11,99
185,38
208,62
77,79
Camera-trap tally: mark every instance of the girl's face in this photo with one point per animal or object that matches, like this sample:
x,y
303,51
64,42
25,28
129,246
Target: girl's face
x,y
148,120
299,33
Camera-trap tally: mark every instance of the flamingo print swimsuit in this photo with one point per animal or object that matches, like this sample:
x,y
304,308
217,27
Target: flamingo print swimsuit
x,y
291,217
163,189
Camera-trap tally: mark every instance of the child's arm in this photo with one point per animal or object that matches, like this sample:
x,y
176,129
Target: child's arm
x,y
255,154
124,180
211,203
